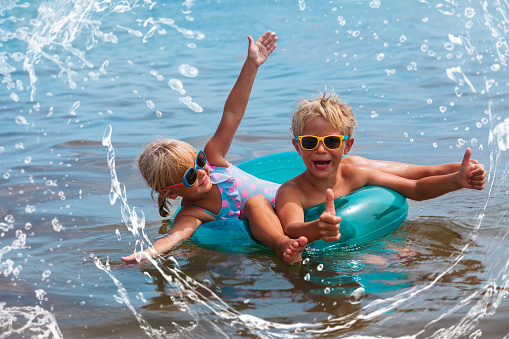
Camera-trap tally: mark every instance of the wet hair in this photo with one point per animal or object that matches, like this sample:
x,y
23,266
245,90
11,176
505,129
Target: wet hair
x,y
328,106
163,162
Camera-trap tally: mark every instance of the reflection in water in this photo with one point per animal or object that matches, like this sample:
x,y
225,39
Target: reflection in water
x,y
426,80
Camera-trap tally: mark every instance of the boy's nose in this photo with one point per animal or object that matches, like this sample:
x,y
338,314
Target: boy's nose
x,y
321,147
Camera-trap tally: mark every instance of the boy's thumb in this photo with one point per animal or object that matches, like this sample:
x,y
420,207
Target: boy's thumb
x,y
466,157
329,202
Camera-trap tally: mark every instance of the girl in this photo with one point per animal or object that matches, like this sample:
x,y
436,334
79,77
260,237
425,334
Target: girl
x,y
210,187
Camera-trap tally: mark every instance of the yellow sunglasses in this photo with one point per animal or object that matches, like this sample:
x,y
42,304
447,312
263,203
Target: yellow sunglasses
x,y
331,142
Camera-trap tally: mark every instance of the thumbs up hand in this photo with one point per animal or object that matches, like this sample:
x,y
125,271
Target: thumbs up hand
x,y
472,174
328,224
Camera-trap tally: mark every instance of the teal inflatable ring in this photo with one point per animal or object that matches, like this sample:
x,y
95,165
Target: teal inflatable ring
x,y
367,214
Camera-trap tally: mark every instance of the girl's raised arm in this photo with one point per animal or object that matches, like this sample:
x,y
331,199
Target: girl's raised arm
x,y
217,147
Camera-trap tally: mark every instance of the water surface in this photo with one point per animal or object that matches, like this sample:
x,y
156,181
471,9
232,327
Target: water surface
x,y
86,83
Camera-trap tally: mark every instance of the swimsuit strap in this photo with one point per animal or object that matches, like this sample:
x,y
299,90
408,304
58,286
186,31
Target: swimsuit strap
x,y
203,209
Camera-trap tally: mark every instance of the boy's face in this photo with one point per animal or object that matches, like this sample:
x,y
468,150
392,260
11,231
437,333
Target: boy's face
x,y
321,161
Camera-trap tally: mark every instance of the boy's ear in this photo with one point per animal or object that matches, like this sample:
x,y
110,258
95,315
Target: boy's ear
x,y
348,146
296,145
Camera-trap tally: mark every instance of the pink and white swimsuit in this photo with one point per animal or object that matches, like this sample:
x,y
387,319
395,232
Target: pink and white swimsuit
x,y
236,186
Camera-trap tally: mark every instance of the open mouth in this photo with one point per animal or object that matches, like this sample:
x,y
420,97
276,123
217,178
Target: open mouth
x,y
322,165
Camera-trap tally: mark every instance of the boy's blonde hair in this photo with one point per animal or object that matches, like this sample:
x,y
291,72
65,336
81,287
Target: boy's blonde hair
x,y
163,162
328,106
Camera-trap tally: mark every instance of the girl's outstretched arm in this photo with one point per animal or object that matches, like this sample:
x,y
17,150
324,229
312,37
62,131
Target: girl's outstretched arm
x,y
217,147
183,228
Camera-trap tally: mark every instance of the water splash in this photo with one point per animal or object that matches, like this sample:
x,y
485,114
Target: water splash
x,y
194,298
57,31
33,321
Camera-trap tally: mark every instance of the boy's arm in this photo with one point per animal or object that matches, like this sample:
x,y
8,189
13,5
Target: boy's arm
x,y
403,170
415,172
183,228
291,214
428,187
217,147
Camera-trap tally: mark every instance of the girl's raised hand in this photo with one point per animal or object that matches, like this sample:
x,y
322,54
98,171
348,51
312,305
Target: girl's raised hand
x,y
260,50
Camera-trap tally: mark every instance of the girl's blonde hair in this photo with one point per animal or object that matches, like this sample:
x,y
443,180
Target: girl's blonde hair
x,y
328,106
163,162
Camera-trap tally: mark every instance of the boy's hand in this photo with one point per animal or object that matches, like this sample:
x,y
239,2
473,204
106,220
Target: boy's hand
x,y
328,224
260,50
472,174
477,177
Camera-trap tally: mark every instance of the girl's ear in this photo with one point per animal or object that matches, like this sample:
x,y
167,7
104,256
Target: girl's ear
x,y
348,146
169,194
296,145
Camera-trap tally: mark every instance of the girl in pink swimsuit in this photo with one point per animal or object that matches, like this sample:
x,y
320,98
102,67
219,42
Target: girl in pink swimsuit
x,y
210,187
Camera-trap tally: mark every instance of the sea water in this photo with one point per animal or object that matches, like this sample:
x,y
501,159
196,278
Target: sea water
x,y
86,83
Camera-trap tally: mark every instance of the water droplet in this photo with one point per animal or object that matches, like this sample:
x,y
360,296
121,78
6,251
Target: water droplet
x,y
56,225
319,267
74,107
302,5
326,290
14,97
188,70
402,38
435,145
30,209
357,295
469,12
307,277
20,120
117,232
150,104
375,4
449,46
46,274
40,294
443,109
176,85
495,67
380,56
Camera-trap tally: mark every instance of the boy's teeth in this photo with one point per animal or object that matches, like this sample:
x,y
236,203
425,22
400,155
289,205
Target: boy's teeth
x,y
321,163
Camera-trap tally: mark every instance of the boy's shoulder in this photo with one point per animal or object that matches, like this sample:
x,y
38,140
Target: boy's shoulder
x,y
291,187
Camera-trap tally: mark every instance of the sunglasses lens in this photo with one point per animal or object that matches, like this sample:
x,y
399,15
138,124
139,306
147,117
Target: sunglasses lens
x,y
190,177
201,159
309,142
332,142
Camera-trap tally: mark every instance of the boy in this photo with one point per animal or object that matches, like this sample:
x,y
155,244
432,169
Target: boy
x,y
323,129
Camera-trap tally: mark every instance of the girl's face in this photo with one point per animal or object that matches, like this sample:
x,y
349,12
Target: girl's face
x,y
322,162
196,191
